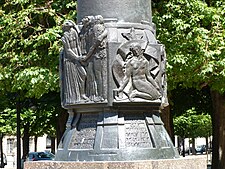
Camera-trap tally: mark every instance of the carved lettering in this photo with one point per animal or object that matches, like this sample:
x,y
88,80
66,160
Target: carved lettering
x,y
137,134
85,134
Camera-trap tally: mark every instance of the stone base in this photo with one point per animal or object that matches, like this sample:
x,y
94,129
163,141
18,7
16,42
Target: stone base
x,y
117,135
193,162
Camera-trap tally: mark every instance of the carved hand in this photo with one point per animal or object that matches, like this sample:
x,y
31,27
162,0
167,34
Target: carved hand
x,y
99,39
118,90
83,58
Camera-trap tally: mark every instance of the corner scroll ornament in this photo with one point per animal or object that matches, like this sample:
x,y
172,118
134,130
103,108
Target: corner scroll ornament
x,y
139,70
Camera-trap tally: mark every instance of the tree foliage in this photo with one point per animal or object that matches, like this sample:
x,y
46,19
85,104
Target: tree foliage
x,y
193,33
28,48
193,125
30,44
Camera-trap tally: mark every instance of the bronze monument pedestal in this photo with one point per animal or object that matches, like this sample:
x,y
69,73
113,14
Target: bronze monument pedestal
x,y
113,84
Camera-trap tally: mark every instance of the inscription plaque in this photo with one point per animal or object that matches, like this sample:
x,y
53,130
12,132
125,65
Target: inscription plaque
x,y
136,133
85,135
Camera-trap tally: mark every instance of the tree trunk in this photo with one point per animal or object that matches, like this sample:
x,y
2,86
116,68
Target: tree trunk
x,y
35,143
167,119
53,145
193,147
218,120
1,151
183,145
179,144
26,141
207,145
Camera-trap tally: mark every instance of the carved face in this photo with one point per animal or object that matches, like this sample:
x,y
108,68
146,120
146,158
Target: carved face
x,y
85,20
136,50
99,19
67,25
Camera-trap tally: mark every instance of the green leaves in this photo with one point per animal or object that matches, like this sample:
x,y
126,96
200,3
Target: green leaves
x,y
30,44
7,119
191,125
40,80
29,47
194,35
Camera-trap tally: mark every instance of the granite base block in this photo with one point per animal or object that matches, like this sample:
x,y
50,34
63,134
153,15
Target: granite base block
x,y
193,162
